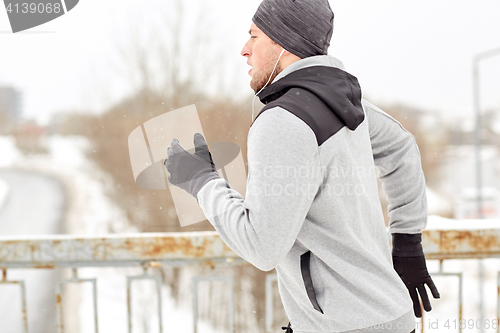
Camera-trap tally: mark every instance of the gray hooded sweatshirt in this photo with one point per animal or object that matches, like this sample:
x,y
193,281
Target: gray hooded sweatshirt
x,y
311,208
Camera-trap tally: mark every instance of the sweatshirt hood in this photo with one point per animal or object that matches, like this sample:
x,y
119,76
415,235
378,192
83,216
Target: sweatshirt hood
x,y
339,90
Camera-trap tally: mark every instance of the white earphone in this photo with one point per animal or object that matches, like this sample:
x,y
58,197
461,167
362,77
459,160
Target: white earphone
x,y
271,75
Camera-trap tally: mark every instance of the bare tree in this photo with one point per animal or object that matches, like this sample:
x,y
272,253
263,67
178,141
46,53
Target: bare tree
x,y
173,56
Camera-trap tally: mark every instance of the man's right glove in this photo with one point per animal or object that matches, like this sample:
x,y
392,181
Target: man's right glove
x,y
188,171
409,262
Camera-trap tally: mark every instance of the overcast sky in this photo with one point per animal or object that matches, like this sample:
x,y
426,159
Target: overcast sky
x,y
414,52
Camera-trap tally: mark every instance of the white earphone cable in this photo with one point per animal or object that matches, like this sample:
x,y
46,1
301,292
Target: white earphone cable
x,y
253,108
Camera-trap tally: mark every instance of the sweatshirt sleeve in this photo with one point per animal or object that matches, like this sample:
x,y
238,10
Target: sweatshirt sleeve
x,y
397,157
283,179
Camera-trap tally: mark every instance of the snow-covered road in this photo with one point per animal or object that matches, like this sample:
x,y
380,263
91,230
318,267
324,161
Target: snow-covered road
x,y
34,205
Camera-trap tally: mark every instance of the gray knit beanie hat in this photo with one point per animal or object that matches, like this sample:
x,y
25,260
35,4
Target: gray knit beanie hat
x,y
302,27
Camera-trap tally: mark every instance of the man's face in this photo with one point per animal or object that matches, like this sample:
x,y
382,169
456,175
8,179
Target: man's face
x,y
262,54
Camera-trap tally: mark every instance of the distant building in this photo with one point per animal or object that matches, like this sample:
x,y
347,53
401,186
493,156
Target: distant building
x,y
10,103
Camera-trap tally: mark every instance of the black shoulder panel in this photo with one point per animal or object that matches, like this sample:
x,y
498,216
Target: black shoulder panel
x,y
308,107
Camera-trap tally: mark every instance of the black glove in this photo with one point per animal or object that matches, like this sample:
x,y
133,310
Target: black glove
x,y
190,171
409,262
288,329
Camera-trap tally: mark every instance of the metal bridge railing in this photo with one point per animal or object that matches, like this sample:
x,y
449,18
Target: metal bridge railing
x,y
192,248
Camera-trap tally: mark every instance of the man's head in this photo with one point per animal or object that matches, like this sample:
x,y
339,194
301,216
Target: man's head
x,y
303,28
262,53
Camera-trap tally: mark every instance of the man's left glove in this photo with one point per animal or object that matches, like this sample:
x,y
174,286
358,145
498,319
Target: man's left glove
x,y
190,171
409,262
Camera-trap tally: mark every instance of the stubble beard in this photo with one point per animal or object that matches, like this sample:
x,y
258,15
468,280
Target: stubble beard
x,y
261,77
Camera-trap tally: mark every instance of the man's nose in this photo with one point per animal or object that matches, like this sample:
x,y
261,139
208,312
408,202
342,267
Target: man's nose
x,y
246,51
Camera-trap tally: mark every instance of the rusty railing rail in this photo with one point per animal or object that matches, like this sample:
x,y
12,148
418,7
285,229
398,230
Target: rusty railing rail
x,y
192,248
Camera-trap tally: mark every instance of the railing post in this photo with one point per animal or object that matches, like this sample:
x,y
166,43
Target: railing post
x,y
270,278
195,281
145,276
59,307
498,302
23,297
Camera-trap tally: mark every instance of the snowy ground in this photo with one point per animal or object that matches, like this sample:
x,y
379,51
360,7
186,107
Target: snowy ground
x,y
441,223
90,211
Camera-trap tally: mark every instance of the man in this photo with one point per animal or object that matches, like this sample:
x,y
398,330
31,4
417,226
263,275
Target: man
x,y
311,209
